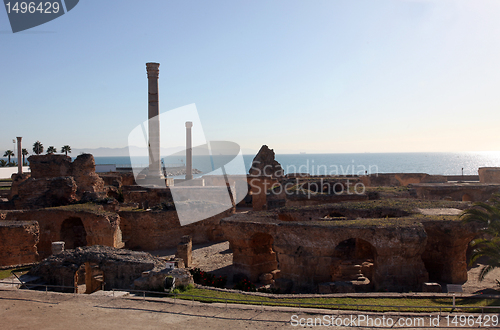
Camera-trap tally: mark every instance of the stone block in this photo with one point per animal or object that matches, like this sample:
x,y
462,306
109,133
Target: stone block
x,y
432,287
185,250
266,278
57,247
18,242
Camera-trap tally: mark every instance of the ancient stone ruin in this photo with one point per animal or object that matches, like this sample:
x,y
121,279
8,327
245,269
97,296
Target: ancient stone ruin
x,y
55,181
349,248
304,234
92,268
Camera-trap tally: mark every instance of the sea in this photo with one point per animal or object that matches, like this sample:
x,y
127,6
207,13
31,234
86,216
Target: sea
x,y
443,163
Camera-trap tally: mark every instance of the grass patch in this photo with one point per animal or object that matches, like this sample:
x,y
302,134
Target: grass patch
x,y
408,205
373,222
359,304
5,180
19,271
85,207
4,188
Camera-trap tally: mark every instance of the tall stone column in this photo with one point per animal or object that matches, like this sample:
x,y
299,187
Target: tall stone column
x,y
189,152
19,155
154,172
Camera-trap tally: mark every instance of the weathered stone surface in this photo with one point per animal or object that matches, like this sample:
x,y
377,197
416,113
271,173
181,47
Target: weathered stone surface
x,y
396,257
489,174
153,230
57,247
45,192
76,227
445,253
16,180
87,181
119,267
185,250
264,164
471,192
259,189
111,179
400,179
49,166
155,280
56,181
18,242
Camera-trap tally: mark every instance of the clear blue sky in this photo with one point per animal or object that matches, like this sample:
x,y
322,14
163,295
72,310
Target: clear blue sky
x,y
315,76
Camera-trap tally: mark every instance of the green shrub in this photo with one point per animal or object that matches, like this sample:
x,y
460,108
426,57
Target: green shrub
x,y
207,279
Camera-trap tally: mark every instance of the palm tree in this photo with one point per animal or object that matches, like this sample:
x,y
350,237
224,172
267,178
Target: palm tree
x,y
51,150
8,153
487,214
66,149
37,147
3,163
25,153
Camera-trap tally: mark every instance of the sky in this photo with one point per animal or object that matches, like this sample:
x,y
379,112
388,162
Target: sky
x,y
300,76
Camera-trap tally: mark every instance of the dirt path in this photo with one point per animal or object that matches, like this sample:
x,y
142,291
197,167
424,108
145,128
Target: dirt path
x,y
21,309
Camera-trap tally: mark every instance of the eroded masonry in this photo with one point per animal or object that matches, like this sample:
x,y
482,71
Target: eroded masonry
x,y
294,232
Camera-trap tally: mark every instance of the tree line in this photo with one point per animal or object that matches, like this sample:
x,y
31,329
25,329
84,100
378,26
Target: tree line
x,y
37,149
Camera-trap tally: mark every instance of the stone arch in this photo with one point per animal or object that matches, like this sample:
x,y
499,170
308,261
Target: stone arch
x,y
73,233
467,198
261,243
355,262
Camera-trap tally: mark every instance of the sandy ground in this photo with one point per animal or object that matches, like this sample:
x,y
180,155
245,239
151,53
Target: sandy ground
x,y
21,309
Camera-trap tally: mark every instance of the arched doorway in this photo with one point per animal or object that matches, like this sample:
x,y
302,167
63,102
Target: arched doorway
x,y
73,233
89,278
355,263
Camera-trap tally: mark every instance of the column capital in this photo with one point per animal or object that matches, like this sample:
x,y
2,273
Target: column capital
x,y
153,69
189,124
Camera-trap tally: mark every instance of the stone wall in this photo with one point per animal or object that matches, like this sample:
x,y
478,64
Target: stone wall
x,y
489,174
319,199
18,242
445,253
74,227
400,179
467,192
154,230
305,253
56,181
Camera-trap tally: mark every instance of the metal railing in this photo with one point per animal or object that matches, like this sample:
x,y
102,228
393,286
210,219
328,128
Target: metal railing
x,y
299,305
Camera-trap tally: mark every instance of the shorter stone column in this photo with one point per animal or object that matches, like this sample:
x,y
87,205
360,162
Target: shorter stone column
x,y
185,250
